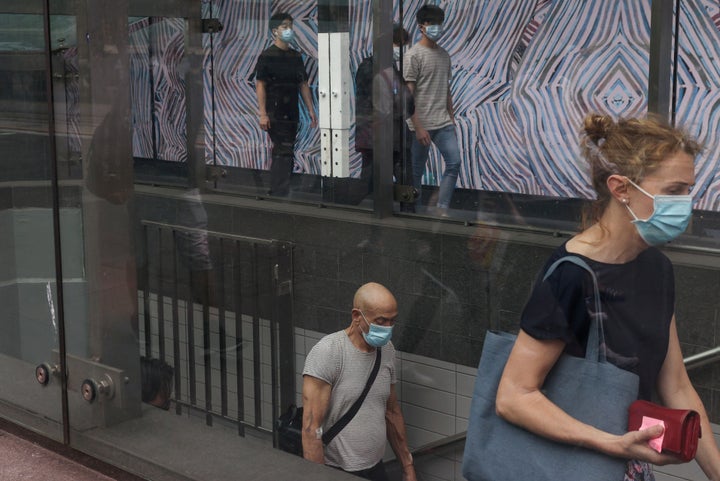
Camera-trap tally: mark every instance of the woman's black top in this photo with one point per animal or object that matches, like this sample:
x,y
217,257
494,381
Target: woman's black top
x,y
637,298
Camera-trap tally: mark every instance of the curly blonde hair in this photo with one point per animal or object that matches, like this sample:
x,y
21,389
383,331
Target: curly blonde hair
x,y
631,147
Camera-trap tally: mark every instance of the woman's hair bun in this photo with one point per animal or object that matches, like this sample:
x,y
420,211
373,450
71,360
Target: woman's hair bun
x,y
598,127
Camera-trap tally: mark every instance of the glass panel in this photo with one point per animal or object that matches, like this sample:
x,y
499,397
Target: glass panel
x,y
694,84
280,154
192,302
183,325
523,77
28,292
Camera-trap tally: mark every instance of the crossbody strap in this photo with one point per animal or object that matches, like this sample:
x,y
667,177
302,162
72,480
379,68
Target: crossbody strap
x,y
347,417
595,349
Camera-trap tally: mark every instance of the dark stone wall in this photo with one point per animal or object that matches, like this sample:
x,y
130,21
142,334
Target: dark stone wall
x,y
452,281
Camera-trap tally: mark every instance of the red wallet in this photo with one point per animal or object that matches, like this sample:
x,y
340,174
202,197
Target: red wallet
x,y
682,427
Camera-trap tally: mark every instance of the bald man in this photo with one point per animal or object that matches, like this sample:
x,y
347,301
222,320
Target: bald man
x,y
336,371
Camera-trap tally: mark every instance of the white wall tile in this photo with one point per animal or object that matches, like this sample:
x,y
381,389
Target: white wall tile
x,y
465,384
462,406
429,420
418,437
429,361
429,398
426,375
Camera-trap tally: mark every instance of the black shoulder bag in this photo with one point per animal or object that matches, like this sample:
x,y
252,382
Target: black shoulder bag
x,y
289,425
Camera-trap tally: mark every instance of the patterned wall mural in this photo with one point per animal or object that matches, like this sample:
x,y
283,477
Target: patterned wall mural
x,y
524,75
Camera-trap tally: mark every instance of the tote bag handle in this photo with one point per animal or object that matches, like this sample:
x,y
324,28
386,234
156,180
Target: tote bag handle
x,y
596,336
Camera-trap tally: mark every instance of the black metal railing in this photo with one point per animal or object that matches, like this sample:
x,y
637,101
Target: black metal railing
x,y
217,308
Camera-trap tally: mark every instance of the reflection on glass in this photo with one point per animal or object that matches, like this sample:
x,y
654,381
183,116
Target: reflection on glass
x,y
427,70
279,76
28,291
394,101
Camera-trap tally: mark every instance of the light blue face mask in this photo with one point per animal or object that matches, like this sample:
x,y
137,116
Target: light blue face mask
x,y
287,35
669,219
433,32
377,336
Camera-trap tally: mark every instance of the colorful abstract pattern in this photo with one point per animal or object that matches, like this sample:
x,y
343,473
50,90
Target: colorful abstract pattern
x,y
524,75
698,92
157,88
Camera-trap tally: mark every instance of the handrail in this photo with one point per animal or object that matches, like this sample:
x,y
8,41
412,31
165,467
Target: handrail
x,y
440,443
702,358
210,233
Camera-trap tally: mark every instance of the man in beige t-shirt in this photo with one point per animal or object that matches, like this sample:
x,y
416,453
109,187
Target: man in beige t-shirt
x,y
427,73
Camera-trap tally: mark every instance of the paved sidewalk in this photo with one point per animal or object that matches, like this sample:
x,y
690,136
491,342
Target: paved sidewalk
x,y
22,460
28,456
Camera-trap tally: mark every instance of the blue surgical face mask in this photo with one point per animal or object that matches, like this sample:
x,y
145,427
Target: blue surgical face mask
x,y
669,219
287,35
433,32
377,336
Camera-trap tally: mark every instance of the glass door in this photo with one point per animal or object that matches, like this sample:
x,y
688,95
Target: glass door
x,y
30,324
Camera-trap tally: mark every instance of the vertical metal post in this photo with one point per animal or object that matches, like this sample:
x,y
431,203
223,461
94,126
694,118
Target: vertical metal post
x,y
237,289
190,314
176,325
661,58
160,296
194,98
207,358
222,332
52,154
383,127
146,297
151,80
283,318
257,359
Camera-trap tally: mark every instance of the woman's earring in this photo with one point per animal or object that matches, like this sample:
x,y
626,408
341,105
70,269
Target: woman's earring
x,y
624,201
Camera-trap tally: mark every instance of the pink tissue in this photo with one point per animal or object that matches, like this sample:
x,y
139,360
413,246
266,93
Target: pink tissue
x,y
648,422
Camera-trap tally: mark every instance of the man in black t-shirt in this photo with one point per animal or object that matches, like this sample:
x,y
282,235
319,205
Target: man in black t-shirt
x,y
279,75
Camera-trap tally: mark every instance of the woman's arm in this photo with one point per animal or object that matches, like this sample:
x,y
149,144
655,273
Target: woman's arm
x,y
520,401
676,391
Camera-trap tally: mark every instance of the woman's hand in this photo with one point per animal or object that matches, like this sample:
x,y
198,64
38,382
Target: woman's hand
x,y
635,445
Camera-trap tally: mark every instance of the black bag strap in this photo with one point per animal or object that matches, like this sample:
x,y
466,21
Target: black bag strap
x,y
347,417
596,348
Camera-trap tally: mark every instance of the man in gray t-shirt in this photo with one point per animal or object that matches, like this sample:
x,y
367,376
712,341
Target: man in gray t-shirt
x,y
336,371
427,72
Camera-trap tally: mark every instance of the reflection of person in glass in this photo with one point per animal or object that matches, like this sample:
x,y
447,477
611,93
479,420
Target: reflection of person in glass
x,y
194,247
642,171
394,99
279,74
427,72
157,377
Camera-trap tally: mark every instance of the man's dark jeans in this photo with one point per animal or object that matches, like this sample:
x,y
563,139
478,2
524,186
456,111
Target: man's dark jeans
x,y
282,133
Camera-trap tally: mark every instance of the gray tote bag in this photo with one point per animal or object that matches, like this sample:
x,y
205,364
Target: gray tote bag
x,y
590,389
